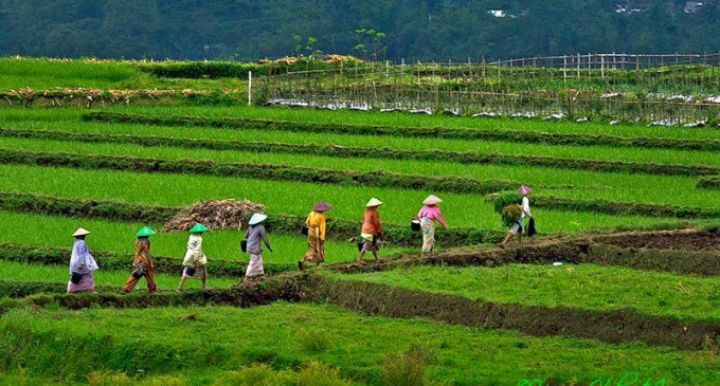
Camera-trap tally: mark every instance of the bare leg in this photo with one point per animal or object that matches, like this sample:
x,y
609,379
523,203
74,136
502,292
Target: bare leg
x,y
204,282
182,282
507,239
362,254
520,239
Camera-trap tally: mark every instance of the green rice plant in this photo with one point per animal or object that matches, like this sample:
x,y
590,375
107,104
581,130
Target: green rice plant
x,y
319,374
406,369
373,118
445,132
159,340
584,286
266,171
587,185
69,120
363,152
177,190
47,73
313,340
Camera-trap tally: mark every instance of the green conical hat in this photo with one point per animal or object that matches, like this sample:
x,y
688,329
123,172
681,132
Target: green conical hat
x,y
198,228
145,232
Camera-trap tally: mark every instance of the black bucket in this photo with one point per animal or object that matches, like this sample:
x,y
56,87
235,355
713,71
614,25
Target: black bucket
x,y
415,225
75,278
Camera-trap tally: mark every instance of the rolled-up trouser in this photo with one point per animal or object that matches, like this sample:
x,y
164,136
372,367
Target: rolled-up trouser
x,y
428,230
149,277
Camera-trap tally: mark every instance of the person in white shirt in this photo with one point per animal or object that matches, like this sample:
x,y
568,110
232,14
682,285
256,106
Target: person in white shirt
x,y
195,261
524,191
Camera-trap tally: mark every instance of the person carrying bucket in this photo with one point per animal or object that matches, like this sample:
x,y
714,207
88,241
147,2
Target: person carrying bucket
x,y
427,215
255,236
143,263
513,215
315,223
371,229
195,261
524,191
82,265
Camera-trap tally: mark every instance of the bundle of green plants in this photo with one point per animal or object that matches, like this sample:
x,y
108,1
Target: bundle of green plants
x,y
508,206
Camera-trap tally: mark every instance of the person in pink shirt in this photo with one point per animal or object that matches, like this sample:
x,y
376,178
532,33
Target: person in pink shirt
x,y
428,215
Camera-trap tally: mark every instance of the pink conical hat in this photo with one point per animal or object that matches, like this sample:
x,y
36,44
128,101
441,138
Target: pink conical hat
x,y
524,190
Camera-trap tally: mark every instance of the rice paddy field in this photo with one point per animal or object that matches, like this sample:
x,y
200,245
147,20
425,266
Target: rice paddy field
x,y
633,296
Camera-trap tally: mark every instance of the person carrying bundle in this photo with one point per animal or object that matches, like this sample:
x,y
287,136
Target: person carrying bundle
x,y
371,229
315,223
427,216
255,236
82,265
524,191
195,261
143,263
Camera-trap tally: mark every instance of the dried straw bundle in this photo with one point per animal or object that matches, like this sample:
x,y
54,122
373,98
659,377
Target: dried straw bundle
x,y
222,214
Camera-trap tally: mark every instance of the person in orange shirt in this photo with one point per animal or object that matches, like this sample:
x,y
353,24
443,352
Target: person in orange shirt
x,y
371,229
143,263
315,223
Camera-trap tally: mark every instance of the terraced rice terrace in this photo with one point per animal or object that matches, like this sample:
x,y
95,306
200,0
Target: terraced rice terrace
x,y
622,282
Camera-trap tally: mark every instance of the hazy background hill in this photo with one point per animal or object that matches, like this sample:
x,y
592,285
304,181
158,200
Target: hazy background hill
x,y
415,29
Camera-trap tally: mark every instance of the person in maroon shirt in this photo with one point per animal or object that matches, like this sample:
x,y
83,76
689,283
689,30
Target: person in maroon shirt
x,y
371,229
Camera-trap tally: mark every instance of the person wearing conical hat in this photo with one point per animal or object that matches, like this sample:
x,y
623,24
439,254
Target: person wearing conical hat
x,y
195,261
315,223
143,263
371,229
523,211
428,215
524,191
82,265
255,236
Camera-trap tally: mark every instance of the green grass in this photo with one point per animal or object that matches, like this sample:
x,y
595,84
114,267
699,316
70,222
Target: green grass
x,y
164,341
69,120
116,278
677,190
585,286
461,210
409,120
43,73
54,231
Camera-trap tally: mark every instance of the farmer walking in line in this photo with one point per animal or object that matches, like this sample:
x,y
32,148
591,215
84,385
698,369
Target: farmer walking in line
x,y
315,223
255,236
428,215
143,264
82,265
371,231
195,261
524,191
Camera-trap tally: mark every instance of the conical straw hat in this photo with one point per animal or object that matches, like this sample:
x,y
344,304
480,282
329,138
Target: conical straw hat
x,y
198,228
374,202
524,190
432,200
257,218
322,206
145,232
81,232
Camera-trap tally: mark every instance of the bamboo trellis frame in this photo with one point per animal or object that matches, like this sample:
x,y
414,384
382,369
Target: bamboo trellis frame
x,y
573,85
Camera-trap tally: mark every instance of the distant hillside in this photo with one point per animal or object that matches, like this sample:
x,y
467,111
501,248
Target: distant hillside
x,y
414,29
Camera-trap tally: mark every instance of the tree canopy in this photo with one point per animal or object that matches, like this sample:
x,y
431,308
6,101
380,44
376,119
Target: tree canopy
x,y
413,29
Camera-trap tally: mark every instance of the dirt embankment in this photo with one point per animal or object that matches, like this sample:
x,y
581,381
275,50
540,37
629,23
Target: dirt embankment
x,y
684,240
